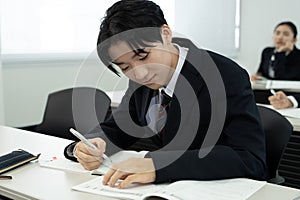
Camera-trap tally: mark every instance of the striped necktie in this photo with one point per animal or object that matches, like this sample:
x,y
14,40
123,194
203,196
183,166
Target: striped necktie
x,y
157,112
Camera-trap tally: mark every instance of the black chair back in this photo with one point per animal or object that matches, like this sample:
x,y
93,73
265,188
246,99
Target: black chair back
x,y
81,108
277,130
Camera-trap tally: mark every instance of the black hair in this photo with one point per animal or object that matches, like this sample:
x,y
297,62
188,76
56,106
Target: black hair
x,y
289,24
125,15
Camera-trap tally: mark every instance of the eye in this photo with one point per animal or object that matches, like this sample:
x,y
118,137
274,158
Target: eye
x,y
124,69
286,33
144,57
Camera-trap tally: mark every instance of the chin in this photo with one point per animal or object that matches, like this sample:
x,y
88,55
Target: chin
x,y
154,86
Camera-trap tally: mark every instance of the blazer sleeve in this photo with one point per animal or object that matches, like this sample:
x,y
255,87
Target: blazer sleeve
x,y
262,64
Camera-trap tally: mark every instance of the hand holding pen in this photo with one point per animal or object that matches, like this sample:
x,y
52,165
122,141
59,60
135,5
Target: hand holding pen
x,y
88,160
279,100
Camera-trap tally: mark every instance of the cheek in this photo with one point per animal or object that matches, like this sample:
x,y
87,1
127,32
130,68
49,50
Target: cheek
x,y
287,38
129,75
290,39
164,59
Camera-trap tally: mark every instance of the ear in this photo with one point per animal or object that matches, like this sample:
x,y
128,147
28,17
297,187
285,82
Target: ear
x,y
166,34
295,40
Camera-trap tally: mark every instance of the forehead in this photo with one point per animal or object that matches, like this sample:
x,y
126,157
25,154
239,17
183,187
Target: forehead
x,y
284,28
119,49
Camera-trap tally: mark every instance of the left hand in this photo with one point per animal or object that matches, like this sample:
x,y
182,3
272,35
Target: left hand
x,y
280,101
133,170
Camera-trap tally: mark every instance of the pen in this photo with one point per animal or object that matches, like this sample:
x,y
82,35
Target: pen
x,y
87,142
2,177
273,92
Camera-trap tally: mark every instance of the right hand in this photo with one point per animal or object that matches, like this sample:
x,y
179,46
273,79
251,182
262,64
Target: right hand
x,y
89,158
287,47
256,77
280,101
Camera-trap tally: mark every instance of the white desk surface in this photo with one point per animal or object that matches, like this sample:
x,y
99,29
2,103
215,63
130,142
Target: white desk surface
x,y
34,182
290,86
116,97
295,122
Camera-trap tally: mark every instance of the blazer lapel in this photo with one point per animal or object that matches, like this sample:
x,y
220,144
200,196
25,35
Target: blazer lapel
x,y
189,85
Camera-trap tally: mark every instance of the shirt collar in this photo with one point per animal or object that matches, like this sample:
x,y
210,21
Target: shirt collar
x,y
169,89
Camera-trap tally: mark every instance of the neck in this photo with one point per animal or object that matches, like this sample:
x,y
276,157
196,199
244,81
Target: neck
x,y
175,55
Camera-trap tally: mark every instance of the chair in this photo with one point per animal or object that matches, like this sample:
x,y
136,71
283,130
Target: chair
x,y
277,130
81,108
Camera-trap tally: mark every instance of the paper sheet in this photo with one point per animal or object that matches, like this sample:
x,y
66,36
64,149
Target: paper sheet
x,y
229,189
62,163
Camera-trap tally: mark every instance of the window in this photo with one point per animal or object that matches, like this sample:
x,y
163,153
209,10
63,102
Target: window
x,y
60,26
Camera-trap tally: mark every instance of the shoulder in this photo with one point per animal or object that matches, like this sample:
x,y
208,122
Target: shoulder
x,y
296,50
226,65
268,50
233,76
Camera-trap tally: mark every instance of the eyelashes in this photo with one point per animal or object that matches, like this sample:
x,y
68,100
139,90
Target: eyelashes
x,y
145,57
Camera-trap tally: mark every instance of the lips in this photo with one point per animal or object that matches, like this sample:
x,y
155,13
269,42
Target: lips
x,y
280,43
148,81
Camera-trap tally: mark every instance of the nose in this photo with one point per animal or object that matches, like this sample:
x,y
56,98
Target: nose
x,y
140,72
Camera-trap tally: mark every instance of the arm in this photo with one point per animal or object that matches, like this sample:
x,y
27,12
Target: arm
x,y
297,97
111,135
283,100
263,62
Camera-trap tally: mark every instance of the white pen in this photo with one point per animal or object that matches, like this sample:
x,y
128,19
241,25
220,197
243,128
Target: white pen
x,y
273,92
87,142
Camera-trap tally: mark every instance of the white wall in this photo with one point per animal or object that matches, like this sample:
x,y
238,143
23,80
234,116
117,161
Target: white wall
x,y
26,85
206,28
258,19
1,96
1,88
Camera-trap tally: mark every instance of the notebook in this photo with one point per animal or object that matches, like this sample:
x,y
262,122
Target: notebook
x,y
15,159
229,189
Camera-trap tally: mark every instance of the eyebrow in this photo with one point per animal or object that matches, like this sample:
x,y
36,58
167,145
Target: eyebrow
x,y
132,57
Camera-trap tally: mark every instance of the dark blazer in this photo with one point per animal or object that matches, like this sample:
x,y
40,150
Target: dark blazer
x,y
286,67
195,118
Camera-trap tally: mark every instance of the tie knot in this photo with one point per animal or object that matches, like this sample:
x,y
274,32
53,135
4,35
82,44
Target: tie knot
x,y
165,99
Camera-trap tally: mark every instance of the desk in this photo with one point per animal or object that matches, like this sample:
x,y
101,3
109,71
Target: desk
x,y
261,88
34,182
289,86
295,122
